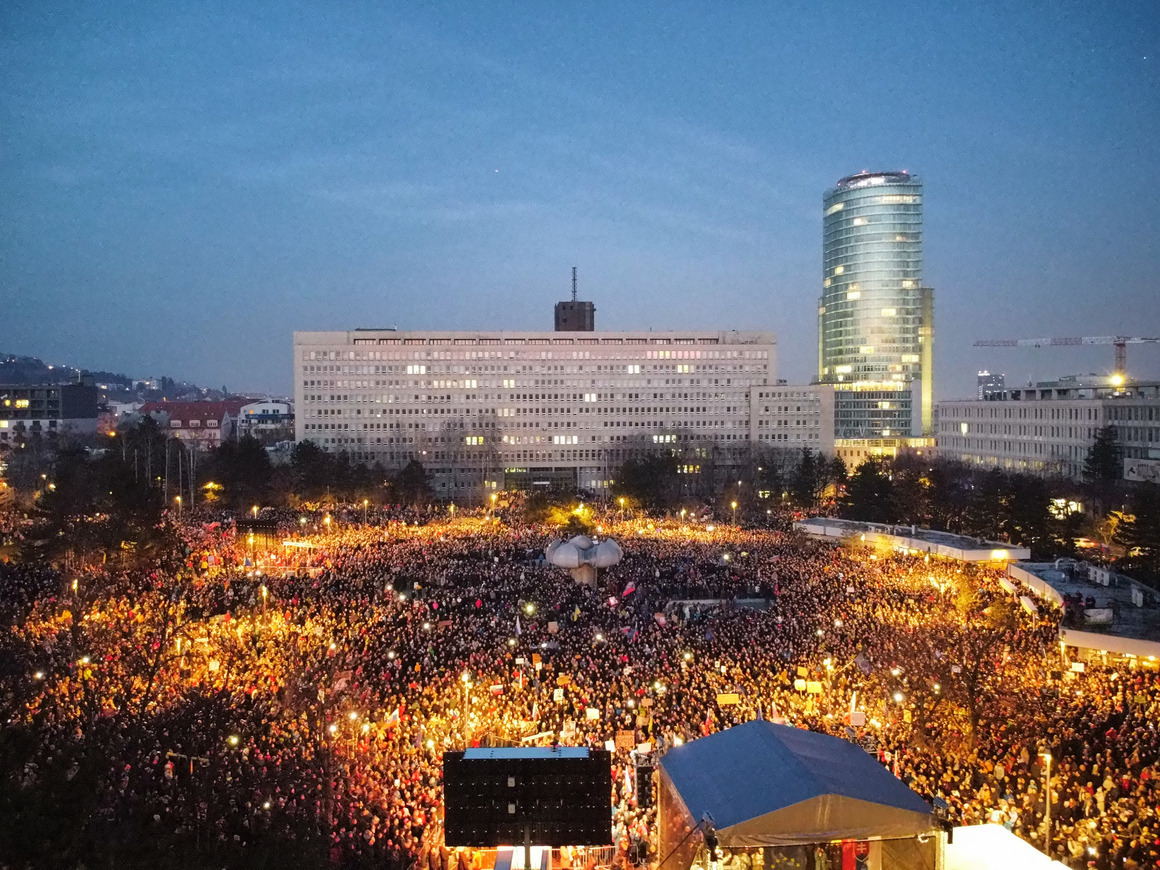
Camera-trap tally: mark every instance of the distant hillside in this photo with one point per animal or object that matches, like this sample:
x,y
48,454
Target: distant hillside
x,y
31,370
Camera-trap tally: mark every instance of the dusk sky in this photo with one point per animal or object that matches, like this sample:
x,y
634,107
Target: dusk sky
x,y
186,185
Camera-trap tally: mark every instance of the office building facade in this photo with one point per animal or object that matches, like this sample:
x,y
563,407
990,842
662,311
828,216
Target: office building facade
x,y
1049,427
875,317
521,410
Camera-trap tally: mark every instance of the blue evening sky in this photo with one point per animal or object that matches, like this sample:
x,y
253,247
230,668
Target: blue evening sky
x,y
184,185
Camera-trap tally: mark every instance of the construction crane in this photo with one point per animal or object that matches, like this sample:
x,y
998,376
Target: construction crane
x,y
1119,342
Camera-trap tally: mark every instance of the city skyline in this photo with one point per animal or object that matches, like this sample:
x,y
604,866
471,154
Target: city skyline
x,y
185,190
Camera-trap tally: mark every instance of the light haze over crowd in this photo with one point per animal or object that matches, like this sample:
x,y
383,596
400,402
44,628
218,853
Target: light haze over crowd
x,y
185,186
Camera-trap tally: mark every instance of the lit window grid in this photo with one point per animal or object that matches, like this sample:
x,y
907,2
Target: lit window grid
x,y
583,404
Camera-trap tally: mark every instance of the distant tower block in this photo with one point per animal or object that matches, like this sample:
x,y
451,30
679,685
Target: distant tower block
x,y
574,315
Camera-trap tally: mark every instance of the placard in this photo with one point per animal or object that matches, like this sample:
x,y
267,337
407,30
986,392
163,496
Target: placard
x,y
590,713
625,739
553,627
558,695
1078,667
799,684
803,672
563,680
813,687
726,699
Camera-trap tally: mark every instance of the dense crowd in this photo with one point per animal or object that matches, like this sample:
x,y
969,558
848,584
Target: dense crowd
x,y
305,693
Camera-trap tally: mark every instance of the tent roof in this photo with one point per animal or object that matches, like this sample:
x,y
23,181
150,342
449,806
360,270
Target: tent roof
x,y
767,784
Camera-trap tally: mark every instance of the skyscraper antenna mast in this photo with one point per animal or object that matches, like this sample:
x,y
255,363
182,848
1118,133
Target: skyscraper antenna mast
x,y
573,283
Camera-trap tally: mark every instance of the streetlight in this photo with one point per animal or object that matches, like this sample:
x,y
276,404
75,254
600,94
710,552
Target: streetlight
x,y
734,513
365,503
255,510
1047,814
178,500
326,520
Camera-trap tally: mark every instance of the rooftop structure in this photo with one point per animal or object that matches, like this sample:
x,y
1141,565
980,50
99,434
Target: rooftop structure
x,y
1119,615
914,540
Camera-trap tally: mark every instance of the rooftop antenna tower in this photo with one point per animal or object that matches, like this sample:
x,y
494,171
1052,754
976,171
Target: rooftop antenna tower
x,y
573,283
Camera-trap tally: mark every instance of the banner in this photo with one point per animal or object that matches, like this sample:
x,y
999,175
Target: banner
x,y
726,699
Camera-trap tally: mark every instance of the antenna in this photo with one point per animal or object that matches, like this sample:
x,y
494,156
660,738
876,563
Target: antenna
x,y
573,283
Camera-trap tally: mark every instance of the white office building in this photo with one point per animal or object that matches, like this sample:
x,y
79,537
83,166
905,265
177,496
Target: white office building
x,y
1048,428
520,410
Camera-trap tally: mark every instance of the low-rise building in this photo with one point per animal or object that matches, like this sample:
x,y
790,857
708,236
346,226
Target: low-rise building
x,y
1048,428
204,424
268,421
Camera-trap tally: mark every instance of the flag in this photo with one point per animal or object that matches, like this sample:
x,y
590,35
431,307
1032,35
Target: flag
x,y
496,689
760,717
629,589
576,613
519,631
627,780
393,719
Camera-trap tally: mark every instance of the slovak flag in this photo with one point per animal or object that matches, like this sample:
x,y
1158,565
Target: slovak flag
x,y
629,589
393,719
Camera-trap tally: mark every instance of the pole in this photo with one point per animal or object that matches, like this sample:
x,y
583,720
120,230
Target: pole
x,y
1047,840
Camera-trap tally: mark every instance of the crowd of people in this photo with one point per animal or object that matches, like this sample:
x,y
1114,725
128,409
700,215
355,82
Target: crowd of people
x,y
303,688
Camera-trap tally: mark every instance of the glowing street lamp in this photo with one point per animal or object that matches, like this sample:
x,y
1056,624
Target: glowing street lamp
x,y
178,500
255,511
366,502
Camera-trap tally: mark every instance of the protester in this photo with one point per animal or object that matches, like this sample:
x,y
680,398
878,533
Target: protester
x,y
322,674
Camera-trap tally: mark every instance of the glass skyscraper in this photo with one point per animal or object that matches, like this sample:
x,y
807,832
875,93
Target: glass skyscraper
x,y
875,316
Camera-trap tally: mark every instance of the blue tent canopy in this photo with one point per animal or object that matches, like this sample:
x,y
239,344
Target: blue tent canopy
x,y
769,785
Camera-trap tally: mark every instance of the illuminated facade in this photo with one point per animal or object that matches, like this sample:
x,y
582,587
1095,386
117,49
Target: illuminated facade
x,y
516,410
875,317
